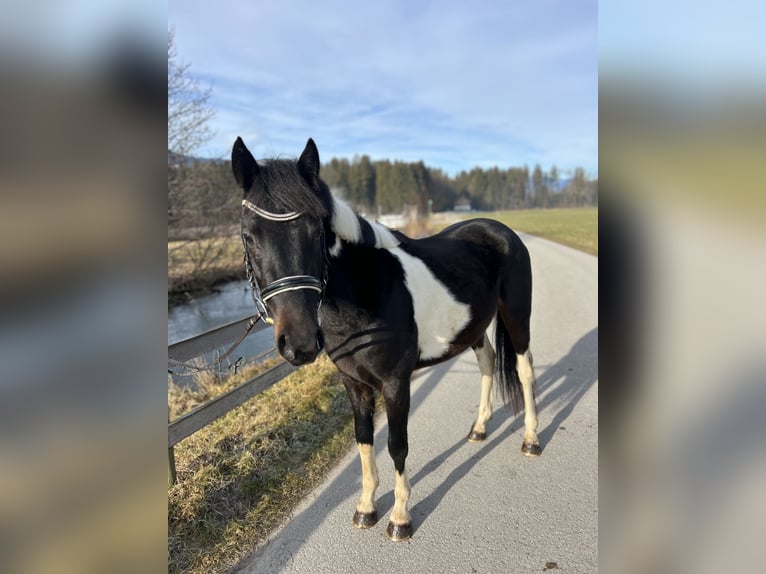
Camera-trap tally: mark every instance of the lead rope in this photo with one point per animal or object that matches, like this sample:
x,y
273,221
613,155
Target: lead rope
x,y
195,369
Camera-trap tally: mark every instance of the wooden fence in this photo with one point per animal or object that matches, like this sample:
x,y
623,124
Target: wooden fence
x,y
203,415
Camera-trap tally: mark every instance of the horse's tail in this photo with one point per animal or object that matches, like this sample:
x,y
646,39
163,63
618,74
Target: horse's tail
x,y
505,365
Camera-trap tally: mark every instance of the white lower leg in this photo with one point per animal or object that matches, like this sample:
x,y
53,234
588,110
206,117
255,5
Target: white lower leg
x,y
486,357
400,514
527,376
485,404
366,504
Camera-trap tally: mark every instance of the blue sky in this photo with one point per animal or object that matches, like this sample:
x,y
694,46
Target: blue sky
x,y
455,84
693,48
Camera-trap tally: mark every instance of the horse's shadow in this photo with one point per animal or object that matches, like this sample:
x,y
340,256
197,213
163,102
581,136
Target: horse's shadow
x,y
577,372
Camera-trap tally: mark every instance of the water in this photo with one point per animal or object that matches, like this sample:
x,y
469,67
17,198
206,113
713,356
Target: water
x,y
231,303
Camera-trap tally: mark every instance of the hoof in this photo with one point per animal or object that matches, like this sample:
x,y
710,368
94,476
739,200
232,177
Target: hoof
x,y
529,449
365,519
398,532
475,436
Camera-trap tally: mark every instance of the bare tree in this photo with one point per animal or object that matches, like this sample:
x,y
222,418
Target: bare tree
x,y
188,106
197,217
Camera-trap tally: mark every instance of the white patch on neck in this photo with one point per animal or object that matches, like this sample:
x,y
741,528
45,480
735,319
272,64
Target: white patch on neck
x,y
439,316
345,224
337,246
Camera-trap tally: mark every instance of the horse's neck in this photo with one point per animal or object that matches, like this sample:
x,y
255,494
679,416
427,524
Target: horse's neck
x,y
343,268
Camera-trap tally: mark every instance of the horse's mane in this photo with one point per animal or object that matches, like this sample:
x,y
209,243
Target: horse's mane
x,y
283,189
352,227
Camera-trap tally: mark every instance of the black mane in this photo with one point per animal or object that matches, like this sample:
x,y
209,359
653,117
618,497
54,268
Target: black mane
x,y
280,187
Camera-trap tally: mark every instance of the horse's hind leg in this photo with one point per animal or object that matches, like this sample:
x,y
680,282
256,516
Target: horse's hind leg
x,y
486,357
362,400
531,444
517,329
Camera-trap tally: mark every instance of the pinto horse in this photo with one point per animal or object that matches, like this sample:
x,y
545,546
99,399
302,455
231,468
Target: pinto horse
x,y
383,305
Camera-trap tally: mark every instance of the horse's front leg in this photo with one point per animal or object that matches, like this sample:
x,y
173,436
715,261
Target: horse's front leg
x,y
397,399
362,400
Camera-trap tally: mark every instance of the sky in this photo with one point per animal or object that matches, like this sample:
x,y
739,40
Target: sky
x,y
452,83
688,45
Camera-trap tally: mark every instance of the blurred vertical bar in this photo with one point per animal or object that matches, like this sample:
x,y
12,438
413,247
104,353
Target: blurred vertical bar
x,y
682,130
82,287
171,461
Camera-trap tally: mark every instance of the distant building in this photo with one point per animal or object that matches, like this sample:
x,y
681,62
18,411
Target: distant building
x,y
463,204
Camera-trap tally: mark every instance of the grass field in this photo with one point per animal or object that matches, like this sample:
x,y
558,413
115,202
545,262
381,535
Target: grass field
x,y
576,228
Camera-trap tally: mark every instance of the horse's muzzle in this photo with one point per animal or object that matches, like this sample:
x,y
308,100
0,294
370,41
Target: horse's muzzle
x,y
298,349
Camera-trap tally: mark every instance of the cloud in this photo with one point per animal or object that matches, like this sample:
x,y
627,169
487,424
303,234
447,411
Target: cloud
x,y
446,83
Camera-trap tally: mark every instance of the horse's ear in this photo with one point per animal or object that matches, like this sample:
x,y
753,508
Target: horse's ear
x,y
243,164
308,163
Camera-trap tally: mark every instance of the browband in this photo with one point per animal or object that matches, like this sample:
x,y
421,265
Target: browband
x,y
269,215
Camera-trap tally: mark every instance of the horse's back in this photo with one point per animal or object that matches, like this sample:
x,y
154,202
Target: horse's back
x,y
486,239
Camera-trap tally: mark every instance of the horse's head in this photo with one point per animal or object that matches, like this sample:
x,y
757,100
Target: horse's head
x,y
284,211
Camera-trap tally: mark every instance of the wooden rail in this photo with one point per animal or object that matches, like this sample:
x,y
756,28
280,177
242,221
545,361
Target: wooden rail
x,y
203,415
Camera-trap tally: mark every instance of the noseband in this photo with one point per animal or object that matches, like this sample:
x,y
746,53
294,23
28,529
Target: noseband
x,y
284,284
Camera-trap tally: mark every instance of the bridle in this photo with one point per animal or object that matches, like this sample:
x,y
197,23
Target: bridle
x,y
260,296
283,284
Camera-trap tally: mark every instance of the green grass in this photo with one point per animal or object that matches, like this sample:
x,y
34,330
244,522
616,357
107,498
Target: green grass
x,y
577,227
239,477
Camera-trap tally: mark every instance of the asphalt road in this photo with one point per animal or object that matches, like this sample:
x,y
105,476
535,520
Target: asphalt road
x,y
478,507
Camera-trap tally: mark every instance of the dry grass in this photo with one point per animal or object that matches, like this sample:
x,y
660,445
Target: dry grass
x,y
240,477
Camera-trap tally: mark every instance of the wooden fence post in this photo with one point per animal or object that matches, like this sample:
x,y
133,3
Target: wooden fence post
x,y
171,461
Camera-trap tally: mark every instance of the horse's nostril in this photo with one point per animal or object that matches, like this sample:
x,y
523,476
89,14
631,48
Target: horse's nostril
x,y
284,348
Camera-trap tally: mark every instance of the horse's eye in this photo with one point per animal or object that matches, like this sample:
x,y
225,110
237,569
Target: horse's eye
x,y
248,238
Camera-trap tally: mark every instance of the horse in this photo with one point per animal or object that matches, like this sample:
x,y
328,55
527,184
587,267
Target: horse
x,y
383,305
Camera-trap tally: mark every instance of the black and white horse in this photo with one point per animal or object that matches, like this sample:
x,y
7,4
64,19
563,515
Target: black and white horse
x,y
383,305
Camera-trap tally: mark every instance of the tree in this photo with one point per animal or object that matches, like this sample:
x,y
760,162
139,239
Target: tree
x,y
441,190
188,114
520,196
540,187
579,188
476,187
361,183
188,106
496,188
201,195
383,186
553,178
335,175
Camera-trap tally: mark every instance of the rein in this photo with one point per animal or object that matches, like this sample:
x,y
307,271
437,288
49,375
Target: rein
x,y
249,327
